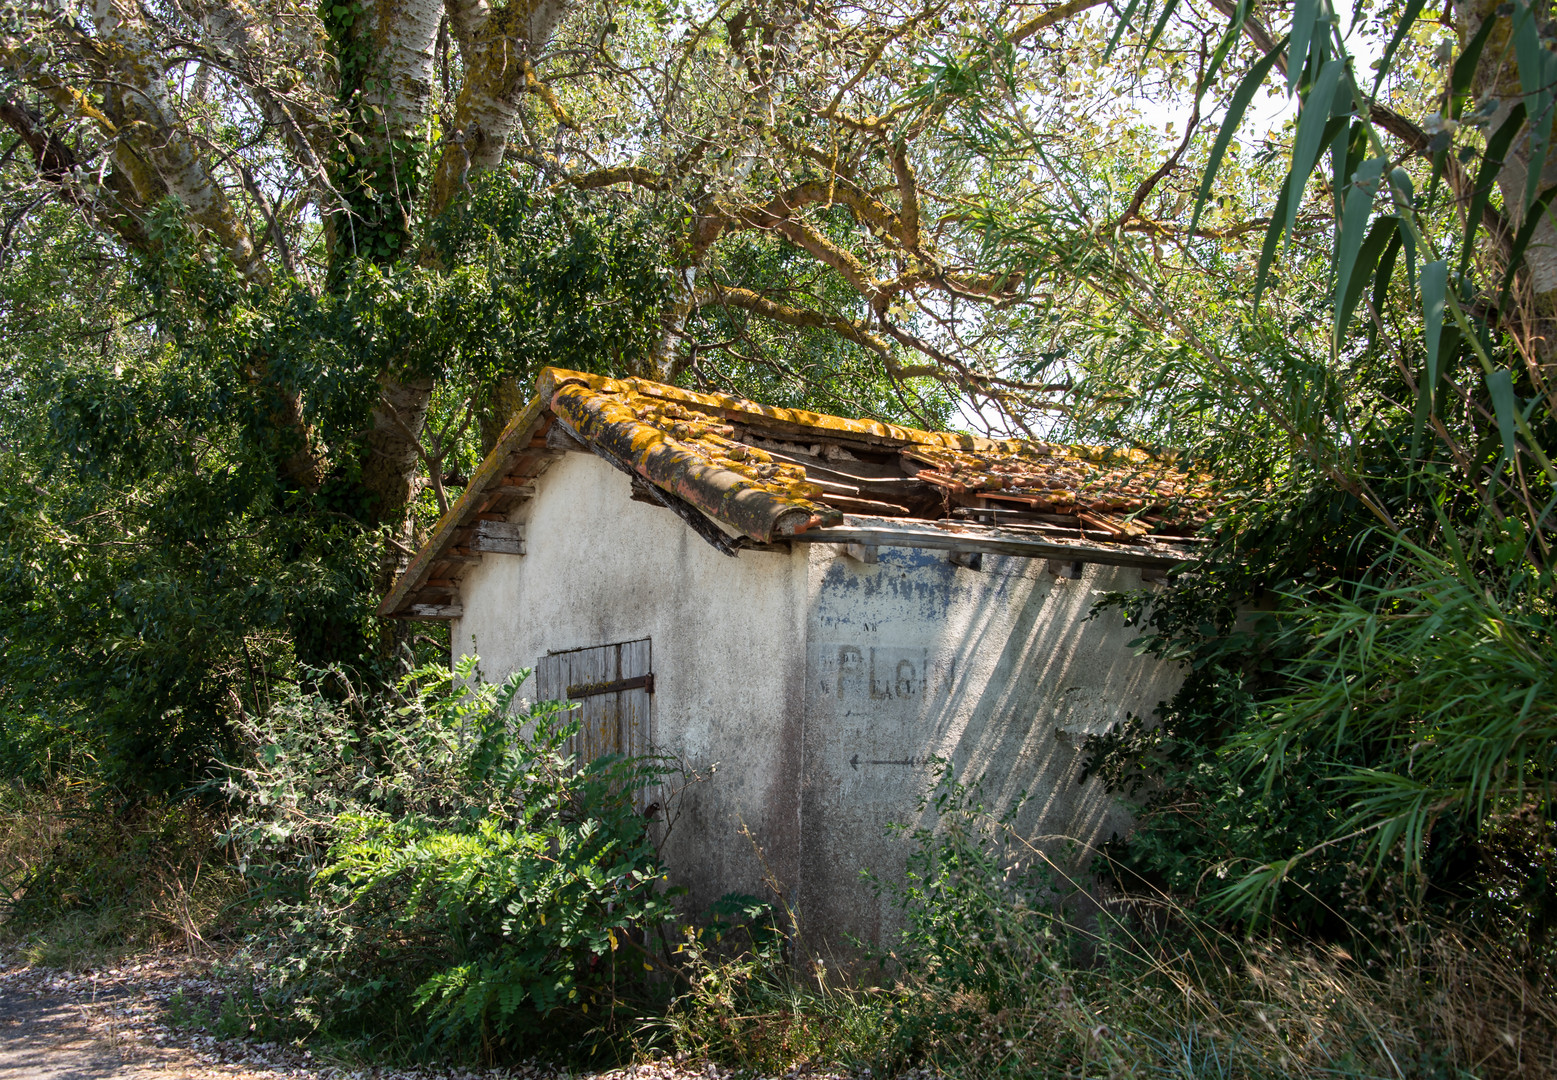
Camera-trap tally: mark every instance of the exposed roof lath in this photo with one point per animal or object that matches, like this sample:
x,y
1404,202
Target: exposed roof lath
x,y
745,474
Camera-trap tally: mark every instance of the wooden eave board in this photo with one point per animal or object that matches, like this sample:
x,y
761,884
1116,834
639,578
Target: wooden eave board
x,y
454,527
929,535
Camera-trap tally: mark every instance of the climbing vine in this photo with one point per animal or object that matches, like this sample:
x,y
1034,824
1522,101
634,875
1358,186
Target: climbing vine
x,y
376,169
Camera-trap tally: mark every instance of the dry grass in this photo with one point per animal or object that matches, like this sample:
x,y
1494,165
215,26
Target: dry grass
x,y
83,878
33,824
1143,992
1473,996
1441,1003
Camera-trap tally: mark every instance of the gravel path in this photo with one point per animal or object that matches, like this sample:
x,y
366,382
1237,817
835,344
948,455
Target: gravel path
x,y
91,1034
44,1038
110,1025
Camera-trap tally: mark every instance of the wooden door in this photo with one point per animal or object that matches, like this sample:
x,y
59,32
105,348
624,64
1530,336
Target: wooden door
x,y
613,686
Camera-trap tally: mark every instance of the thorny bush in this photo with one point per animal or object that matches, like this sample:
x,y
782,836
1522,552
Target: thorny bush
x,y
440,866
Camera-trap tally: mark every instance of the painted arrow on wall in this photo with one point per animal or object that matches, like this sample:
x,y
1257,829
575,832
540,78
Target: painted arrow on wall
x,y
855,762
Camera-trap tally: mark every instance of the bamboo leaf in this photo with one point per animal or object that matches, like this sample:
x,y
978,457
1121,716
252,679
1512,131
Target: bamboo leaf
x,y
1434,284
1342,166
1229,39
1522,239
1537,69
1312,122
1236,107
1386,267
1168,8
1273,233
1357,210
1124,24
1500,385
1304,15
1435,280
1354,269
1465,67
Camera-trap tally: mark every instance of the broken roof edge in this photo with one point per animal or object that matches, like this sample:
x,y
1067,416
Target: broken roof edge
x,y
520,430
735,407
761,511
747,508
898,533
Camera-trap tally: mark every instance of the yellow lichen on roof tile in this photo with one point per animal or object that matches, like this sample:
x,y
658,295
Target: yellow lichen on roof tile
x,y
711,442
1045,476
690,456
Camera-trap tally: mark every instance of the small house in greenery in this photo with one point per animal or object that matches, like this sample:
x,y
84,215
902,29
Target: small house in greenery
x,y
811,612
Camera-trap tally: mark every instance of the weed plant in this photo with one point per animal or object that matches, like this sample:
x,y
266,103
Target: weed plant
x,y
990,977
440,875
745,997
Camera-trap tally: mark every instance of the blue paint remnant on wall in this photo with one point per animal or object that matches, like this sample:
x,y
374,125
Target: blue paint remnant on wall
x,y
927,578
923,576
916,558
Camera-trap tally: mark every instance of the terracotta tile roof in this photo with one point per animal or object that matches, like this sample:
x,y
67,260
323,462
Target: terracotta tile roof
x,y
1042,476
695,456
766,474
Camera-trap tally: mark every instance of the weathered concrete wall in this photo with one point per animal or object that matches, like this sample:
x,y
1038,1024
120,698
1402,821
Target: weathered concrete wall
x,y
820,686
1000,671
728,651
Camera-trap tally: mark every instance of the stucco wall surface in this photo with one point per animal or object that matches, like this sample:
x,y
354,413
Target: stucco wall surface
x,y
821,688
999,670
728,654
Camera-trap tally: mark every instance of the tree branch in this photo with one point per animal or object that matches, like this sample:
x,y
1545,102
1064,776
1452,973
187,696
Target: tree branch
x,y
758,304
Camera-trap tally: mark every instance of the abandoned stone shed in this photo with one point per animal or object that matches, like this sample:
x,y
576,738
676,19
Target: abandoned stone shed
x,y
813,607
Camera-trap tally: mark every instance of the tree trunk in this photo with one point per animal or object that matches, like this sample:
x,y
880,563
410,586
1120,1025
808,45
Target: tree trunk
x,y
496,45
670,354
386,59
505,398
138,98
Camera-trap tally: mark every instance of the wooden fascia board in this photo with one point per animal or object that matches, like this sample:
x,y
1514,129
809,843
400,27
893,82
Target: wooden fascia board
x,y
516,436
868,533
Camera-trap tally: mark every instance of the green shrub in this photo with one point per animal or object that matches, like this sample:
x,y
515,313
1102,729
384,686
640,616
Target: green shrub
x,y
441,869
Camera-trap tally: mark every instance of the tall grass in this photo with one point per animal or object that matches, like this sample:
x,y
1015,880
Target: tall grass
x,y
989,980
86,875
1450,682
1185,1001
